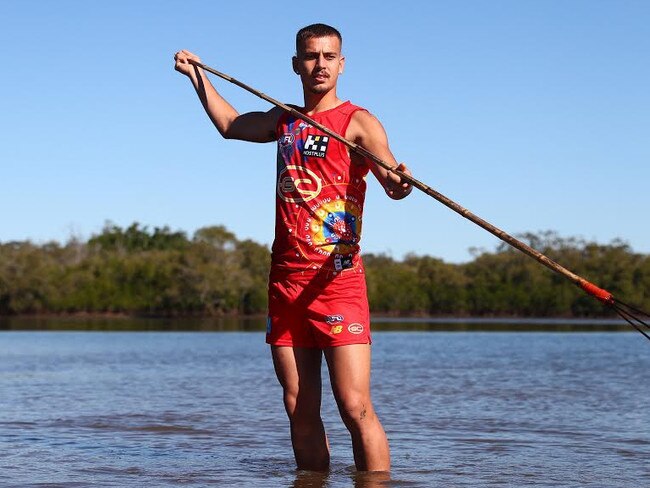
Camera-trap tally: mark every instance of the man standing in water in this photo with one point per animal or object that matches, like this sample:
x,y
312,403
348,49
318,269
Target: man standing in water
x,y
317,291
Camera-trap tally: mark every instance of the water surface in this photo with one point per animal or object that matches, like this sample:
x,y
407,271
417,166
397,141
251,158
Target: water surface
x,y
120,409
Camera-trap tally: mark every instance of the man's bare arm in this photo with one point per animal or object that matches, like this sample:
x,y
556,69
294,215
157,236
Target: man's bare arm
x,y
252,126
367,131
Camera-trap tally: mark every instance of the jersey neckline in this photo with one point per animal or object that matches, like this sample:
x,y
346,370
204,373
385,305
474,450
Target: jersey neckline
x,y
318,114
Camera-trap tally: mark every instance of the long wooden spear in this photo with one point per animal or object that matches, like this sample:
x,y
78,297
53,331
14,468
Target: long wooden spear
x,y
627,312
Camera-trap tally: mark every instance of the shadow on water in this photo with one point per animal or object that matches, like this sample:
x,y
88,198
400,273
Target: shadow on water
x,y
258,324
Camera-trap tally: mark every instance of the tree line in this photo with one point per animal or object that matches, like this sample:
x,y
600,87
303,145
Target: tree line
x,y
135,270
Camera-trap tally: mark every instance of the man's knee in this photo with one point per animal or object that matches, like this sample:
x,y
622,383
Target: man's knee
x,y
356,410
301,407
290,397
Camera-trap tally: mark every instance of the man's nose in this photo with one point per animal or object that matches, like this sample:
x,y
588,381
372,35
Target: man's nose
x,y
320,60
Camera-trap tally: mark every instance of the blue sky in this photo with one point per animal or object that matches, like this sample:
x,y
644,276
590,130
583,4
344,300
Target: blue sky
x,y
534,115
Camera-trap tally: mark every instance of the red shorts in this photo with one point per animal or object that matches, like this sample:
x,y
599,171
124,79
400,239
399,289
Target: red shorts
x,y
308,311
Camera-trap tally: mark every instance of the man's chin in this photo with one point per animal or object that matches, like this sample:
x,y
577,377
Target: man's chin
x,y
319,89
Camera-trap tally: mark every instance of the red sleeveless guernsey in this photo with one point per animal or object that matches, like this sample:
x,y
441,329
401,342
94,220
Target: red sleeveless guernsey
x,y
319,197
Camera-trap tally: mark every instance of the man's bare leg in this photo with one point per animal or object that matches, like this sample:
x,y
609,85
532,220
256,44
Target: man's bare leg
x,y
299,371
349,368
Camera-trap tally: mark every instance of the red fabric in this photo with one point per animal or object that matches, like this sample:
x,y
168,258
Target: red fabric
x,y
307,311
319,197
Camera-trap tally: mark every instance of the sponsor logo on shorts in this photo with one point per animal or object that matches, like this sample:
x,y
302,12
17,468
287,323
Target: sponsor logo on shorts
x,y
268,325
355,328
336,329
333,319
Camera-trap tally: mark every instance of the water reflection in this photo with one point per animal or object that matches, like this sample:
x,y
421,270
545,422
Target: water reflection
x,y
310,479
314,479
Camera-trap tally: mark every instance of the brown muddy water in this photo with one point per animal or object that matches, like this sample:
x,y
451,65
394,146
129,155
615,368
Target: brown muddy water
x,y
462,409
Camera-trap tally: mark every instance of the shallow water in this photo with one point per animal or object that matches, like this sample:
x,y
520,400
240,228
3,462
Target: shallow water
x,y
203,408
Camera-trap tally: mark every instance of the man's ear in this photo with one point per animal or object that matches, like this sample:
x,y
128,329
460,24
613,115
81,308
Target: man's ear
x,y
294,64
341,64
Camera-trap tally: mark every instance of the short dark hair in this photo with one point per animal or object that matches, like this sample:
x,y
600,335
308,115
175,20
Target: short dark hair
x,y
316,30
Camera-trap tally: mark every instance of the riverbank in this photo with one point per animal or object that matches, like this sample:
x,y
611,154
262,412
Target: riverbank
x,y
257,323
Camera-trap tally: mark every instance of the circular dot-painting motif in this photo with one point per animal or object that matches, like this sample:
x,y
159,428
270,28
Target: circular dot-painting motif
x,y
332,224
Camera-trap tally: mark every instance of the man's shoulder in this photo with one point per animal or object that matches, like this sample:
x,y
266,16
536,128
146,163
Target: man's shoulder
x,y
351,108
361,123
362,115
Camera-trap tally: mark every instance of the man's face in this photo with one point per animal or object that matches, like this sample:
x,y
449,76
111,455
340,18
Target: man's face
x,y
319,63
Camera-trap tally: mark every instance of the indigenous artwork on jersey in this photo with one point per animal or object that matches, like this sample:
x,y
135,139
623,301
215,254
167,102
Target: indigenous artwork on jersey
x,y
320,195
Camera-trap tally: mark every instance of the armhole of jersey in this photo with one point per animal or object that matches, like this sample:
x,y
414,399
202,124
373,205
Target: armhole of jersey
x,y
345,153
281,120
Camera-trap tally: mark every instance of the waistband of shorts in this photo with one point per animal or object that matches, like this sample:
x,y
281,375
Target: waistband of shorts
x,y
280,273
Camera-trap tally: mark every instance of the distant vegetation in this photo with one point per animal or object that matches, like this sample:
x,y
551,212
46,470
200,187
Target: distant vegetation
x,y
139,271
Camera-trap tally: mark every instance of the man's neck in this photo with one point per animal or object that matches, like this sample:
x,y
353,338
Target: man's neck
x,y
320,102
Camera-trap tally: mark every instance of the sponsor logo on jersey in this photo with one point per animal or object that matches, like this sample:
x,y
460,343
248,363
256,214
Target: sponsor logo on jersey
x,y
355,328
286,139
298,184
342,262
301,126
334,319
315,146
